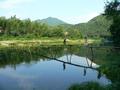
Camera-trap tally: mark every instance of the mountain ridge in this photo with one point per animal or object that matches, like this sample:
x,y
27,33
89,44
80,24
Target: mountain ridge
x,y
96,27
53,21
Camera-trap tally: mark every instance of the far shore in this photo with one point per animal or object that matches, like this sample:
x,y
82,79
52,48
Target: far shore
x,y
33,42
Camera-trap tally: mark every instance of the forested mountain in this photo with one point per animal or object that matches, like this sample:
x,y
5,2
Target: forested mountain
x,y
96,27
52,21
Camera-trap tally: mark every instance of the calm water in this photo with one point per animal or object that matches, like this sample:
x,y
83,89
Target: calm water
x,y
47,68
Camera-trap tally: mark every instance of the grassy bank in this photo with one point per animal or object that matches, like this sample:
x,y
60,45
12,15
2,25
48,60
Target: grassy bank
x,y
44,41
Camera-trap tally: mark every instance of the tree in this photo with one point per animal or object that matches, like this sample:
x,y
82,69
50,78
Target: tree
x,y
3,22
112,11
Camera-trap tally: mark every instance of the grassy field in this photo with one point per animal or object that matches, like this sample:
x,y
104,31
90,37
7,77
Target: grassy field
x,y
47,41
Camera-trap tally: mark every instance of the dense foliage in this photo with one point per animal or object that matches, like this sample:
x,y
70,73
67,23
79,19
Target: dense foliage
x,y
27,28
96,27
112,11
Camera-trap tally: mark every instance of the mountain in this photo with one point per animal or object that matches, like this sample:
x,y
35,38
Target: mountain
x,y
53,21
96,27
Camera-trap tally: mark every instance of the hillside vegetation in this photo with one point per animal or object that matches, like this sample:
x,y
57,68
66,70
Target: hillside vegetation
x,y
52,21
96,27
14,27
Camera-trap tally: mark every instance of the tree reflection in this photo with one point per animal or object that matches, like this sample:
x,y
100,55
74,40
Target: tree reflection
x,y
17,55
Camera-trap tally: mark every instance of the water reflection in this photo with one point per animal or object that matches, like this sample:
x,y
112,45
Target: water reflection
x,y
47,68
64,66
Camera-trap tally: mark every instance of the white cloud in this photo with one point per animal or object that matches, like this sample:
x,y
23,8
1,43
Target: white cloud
x,y
7,4
79,19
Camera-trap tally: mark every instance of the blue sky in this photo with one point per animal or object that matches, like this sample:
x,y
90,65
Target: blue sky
x,y
71,11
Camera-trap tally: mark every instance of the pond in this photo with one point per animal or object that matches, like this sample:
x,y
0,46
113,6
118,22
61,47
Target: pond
x,y
48,67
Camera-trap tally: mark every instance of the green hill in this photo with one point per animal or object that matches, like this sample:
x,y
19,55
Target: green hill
x,y
52,21
96,27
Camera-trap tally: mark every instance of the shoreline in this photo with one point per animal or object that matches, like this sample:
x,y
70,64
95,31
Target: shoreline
x,y
34,42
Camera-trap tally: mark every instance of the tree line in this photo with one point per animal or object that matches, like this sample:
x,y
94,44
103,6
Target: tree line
x,y
15,27
112,11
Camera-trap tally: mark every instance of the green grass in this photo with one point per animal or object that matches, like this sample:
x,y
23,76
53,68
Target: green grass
x,y
87,86
42,41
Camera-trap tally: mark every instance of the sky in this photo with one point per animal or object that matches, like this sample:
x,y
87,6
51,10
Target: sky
x,y
70,11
